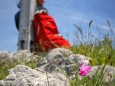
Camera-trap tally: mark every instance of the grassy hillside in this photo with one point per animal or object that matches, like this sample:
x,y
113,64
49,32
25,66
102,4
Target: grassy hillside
x,y
100,51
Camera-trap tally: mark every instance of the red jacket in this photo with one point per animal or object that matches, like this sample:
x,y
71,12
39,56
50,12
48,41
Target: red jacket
x,y
46,33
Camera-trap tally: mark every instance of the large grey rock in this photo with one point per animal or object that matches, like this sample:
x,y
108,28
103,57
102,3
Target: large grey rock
x,y
57,62
62,60
25,76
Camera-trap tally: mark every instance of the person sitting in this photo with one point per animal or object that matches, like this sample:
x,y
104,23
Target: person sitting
x,y
46,34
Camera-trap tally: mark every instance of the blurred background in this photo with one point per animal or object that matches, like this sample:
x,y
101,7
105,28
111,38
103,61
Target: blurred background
x,y
67,14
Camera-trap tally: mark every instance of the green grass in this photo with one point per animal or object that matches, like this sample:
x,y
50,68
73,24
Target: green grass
x,y
98,47
99,50
99,54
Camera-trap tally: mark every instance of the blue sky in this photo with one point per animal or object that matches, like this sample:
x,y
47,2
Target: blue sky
x,y
65,12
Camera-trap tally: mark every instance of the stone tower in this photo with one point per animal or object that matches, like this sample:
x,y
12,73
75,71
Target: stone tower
x,y
25,38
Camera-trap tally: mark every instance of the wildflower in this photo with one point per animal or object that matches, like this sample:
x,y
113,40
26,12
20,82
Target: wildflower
x,y
84,70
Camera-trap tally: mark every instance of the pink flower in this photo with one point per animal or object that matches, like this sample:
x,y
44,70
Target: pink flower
x,y
84,70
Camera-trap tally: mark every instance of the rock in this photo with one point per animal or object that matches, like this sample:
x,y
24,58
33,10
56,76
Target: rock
x,y
20,56
1,82
24,76
58,61
79,59
4,56
108,73
51,70
58,53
